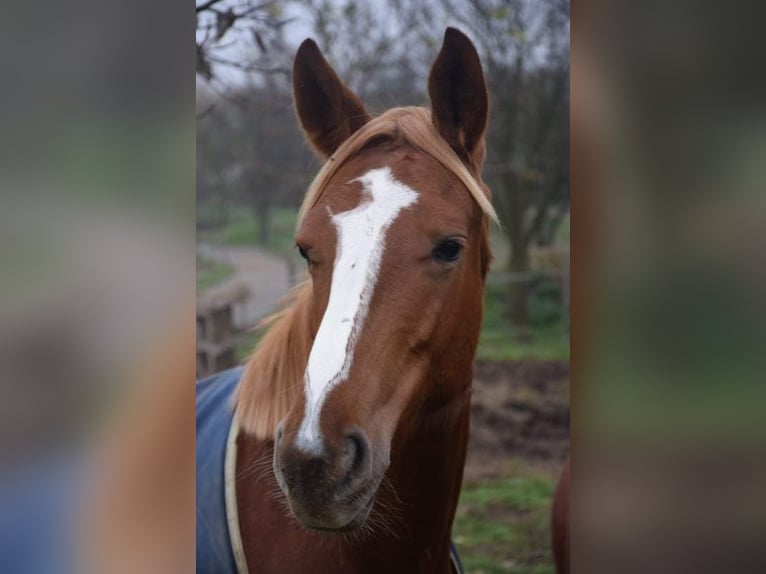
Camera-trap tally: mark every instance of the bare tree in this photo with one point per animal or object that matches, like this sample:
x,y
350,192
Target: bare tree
x,y
251,154
525,50
251,151
254,27
276,164
244,134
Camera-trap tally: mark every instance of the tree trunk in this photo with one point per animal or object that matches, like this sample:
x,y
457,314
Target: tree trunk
x,y
519,264
546,236
519,289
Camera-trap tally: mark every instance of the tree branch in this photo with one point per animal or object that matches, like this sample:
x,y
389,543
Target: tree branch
x,y
207,5
248,67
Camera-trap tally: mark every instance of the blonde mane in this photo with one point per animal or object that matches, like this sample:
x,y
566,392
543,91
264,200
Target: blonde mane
x,y
273,377
414,126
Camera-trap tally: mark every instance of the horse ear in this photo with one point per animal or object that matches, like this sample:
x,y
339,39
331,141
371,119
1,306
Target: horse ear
x,y
459,102
328,111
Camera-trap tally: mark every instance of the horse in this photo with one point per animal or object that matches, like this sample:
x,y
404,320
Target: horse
x,y
346,443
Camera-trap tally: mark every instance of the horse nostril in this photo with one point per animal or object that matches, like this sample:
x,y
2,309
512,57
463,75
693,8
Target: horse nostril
x,y
358,454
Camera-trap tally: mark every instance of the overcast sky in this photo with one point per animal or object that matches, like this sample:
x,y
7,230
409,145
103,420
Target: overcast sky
x,y
238,43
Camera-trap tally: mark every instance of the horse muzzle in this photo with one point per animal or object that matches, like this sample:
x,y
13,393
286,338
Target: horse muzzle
x,y
330,490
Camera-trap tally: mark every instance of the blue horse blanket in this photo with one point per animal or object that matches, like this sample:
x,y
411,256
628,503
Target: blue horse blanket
x,y
214,421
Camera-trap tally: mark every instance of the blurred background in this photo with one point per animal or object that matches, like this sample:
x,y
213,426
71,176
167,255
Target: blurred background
x,y
96,286
253,168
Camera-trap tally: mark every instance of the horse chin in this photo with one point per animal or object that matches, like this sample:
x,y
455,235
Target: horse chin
x,y
334,524
340,510
354,524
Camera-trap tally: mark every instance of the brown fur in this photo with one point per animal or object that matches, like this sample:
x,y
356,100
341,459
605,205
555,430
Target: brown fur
x,y
459,104
329,112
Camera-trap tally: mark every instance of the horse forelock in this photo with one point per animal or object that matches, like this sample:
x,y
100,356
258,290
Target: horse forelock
x,y
413,126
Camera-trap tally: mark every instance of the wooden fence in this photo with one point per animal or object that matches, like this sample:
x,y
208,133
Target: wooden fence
x,y
216,338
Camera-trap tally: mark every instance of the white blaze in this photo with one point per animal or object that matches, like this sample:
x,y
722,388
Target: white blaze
x,y
361,242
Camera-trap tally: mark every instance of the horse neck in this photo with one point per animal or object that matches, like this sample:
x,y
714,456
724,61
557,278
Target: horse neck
x,y
411,526
426,473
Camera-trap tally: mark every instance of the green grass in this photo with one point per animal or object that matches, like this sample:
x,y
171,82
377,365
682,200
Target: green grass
x,y
243,228
499,340
211,273
503,526
502,344
548,338
521,493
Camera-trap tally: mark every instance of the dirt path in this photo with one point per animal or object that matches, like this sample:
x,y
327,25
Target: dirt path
x,y
519,409
260,278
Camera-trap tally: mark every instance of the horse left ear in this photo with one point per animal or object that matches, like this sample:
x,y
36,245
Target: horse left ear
x,y
459,102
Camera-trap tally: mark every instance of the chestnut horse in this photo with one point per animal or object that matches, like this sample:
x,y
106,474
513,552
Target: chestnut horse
x,y
352,414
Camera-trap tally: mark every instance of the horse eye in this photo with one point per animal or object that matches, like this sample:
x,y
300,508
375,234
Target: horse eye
x,y
447,251
303,253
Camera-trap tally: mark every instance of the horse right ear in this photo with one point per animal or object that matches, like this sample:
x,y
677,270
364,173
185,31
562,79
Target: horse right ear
x,y
459,102
328,111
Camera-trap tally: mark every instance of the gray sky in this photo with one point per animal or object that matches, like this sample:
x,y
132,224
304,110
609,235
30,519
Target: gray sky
x,y
238,42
